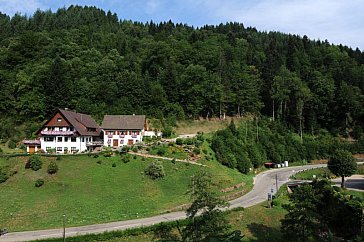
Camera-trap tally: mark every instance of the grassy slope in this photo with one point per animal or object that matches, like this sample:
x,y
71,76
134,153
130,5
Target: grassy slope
x,y
89,193
257,223
206,126
321,173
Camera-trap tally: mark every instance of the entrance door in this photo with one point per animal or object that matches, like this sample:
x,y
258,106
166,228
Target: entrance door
x,y
115,142
130,142
31,149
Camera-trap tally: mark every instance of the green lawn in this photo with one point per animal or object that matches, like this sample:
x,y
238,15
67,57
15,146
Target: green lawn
x,y
88,192
321,173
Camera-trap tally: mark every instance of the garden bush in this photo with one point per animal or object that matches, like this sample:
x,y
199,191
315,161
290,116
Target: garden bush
x,y
197,151
11,144
155,170
179,141
52,168
34,163
3,176
39,182
113,164
135,149
126,159
161,150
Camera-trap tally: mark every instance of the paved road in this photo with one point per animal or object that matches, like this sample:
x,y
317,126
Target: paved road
x,y
263,183
354,182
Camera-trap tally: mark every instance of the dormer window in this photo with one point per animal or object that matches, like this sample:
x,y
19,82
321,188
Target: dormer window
x,y
59,119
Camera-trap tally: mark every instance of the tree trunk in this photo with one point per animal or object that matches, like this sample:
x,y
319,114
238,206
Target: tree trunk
x,y
273,110
343,181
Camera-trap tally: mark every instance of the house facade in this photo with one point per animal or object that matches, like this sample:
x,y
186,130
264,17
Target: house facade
x,y
67,132
121,130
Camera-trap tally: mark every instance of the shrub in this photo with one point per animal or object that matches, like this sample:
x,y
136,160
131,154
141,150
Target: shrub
x,y
1,151
39,182
113,164
124,149
135,149
58,157
52,167
200,137
34,163
189,141
179,141
99,162
197,151
134,157
11,144
96,156
3,177
126,159
161,150
173,161
155,170
108,153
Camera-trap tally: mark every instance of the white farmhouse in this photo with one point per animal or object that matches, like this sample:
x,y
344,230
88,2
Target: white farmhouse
x,y
66,132
120,130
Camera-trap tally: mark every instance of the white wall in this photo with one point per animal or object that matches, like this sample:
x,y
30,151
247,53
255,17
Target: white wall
x,y
122,141
79,145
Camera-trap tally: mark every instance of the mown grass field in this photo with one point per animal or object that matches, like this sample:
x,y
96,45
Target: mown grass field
x,y
89,193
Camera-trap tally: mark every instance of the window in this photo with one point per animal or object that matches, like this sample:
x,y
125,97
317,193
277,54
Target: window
x,y
59,148
59,119
48,139
72,129
83,139
73,139
65,139
59,139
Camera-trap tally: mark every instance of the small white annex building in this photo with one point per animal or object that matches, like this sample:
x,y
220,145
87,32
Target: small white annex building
x,y
120,130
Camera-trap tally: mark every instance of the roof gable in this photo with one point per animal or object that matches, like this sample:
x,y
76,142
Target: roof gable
x,y
127,122
83,123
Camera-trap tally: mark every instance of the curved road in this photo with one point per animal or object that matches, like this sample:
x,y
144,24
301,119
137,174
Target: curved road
x,y
263,183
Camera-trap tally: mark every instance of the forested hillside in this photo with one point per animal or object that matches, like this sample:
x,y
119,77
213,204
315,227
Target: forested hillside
x,y
88,60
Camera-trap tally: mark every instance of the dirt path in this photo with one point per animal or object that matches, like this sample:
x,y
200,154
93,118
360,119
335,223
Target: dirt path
x,y
165,158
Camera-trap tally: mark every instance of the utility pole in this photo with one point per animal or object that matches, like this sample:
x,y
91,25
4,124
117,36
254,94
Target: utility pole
x,y
276,183
64,227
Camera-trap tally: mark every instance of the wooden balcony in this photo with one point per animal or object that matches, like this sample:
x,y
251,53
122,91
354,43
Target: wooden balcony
x,y
58,133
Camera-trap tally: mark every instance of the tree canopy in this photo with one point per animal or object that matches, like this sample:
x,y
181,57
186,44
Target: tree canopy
x,y
88,60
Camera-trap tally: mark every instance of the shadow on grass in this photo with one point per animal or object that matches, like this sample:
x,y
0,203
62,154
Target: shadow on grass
x,y
262,232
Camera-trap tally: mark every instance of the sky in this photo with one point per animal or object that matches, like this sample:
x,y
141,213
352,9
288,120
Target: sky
x,y
338,21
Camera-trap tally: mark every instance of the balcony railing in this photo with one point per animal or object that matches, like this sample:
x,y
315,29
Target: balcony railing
x,y
31,142
95,143
57,132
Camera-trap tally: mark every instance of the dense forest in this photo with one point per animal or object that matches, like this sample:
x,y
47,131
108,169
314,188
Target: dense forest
x,y
255,142
88,60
